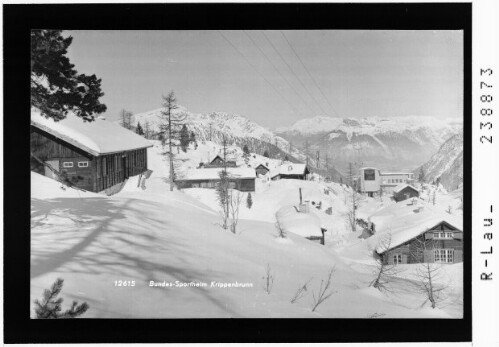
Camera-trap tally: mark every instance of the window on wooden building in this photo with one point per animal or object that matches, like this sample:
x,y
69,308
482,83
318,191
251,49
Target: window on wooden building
x,y
397,258
443,235
444,255
67,164
83,164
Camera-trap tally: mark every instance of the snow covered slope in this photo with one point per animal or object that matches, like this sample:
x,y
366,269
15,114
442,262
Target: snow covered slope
x,y
236,128
446,164
96,243
387,143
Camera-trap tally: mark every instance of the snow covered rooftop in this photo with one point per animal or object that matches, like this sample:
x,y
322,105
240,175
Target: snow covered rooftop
x,y
97,137
403,222
213,173
290,169
395,173
303,224
402,186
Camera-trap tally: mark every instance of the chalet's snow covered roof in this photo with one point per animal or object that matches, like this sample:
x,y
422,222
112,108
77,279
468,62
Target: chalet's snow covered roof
x,y
213,173
402,186
290,169
395,173
97,137
303,224
403,222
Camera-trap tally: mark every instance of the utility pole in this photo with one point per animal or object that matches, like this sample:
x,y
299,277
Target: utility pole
x,y
317,157
210,131
327,167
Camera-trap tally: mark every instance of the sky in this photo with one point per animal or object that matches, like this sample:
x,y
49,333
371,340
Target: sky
x,y
277,77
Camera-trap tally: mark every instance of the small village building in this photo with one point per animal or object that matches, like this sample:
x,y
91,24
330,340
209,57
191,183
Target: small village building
x,y
261,170
369,181
390,180
240,178
372,181
93,156
218,162
291,171
408,234
404,191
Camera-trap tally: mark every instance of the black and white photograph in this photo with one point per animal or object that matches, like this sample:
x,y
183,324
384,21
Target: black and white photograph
x,y
247,174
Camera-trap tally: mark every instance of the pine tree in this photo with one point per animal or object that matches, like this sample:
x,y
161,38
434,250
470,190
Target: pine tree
x,y
246,149
126,119
139,129
266,154
169,129
193,140
184,138
56,87
50,306
249,201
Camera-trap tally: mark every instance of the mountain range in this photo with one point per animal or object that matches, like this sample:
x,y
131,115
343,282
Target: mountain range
x,y
398,143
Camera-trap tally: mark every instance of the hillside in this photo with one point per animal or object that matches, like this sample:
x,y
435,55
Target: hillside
x,y
92,241
446,164
398,143
238,131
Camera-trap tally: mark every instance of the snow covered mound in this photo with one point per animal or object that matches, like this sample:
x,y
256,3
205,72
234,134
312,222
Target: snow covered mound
x,y
303,224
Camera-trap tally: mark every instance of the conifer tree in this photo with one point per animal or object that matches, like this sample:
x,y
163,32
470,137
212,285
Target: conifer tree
x,y
246,149
56,87
139,129
184,138
249,201
50,306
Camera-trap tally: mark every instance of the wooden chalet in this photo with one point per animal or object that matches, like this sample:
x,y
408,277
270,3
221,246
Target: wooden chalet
x,y
291,171
93,156
404,192
242,179
408,234
218,162
261,170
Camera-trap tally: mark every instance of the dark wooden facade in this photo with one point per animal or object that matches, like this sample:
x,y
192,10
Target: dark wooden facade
x,y
219,162
82,169
406,193
261,170
423,248
241,184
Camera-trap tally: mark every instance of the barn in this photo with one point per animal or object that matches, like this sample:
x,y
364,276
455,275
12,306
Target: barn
x,y
408,234
291,171
94,156
404,191
242,179
261,170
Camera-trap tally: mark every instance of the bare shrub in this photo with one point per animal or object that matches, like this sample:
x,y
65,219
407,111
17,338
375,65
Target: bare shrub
x,y
324,291
300,292
269,279
280,230
384,272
